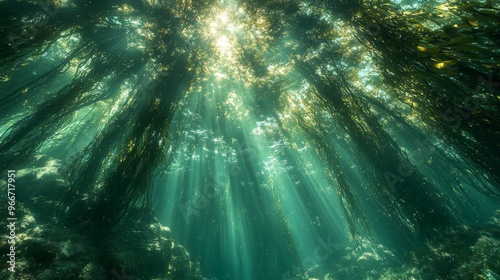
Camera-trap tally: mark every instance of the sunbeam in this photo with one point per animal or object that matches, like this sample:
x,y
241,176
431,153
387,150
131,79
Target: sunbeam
x,y
249,140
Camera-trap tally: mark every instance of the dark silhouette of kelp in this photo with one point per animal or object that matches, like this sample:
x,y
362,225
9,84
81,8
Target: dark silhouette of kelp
x,y
447,75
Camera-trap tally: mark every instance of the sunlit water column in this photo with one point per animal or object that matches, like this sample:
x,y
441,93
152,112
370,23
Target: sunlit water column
x,y
235,192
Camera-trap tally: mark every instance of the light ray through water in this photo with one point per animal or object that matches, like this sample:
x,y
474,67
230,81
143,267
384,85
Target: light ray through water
x,y
266,128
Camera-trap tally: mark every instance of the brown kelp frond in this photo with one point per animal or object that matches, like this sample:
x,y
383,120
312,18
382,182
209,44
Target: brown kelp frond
x,y
373,69
437,61
129,175
382,152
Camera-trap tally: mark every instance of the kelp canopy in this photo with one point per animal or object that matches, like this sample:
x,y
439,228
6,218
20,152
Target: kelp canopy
x,y
255,128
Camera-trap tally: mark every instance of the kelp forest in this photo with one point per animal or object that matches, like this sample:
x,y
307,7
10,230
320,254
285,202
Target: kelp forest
x,y
250,140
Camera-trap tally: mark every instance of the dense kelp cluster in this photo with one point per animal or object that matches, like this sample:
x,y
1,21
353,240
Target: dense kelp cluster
x,y
102,62
446,73
444,61
405,93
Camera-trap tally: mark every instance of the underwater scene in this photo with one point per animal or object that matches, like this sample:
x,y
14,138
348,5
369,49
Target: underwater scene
x,y
249,140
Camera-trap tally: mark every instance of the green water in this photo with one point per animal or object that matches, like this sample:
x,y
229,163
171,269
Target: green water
x,y
276,140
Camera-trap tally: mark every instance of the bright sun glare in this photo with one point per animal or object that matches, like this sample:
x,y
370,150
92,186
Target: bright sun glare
x,y
223,33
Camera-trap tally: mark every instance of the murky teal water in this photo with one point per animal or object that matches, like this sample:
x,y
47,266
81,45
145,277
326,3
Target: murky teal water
x,y
276,140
